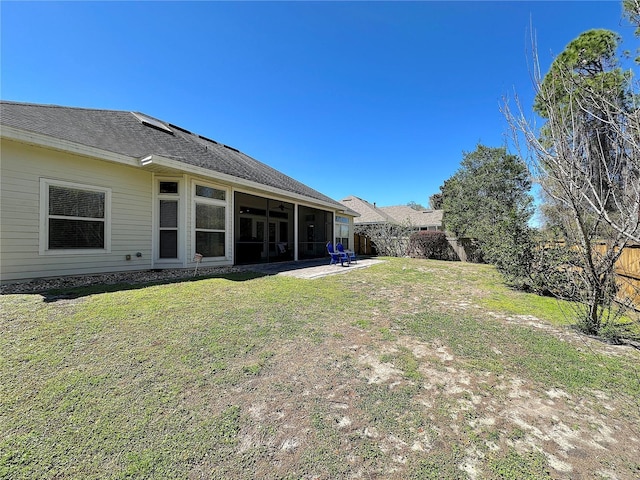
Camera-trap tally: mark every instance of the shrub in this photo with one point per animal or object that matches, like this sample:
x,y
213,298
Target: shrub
x,y
431,244
390,239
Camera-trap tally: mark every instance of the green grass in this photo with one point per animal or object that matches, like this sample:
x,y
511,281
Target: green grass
x,y
515,466
405,361
532,354
264,377
518,303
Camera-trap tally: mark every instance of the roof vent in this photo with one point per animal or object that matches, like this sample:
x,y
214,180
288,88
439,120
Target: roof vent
x,y
152,122
207,139
231,148
176,127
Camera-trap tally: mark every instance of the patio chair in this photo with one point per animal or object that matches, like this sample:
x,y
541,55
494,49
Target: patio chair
x,y
350,254
336,256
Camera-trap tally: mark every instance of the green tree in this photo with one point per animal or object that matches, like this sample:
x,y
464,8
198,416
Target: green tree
x,y
588,68
588,62
488,200
632,13
435,200
415,205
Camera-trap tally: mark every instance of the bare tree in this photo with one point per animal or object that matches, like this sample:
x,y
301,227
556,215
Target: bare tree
x,y
390,239
586,158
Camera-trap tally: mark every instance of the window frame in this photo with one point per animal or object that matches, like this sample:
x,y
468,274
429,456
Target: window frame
x,y
342,222
196,199
44,249
177,197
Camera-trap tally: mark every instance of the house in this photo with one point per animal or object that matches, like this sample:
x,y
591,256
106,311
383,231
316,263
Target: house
x,y
87,191
371,214
420,219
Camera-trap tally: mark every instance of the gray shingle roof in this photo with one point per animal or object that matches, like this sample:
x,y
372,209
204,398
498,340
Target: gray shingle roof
x,y
123,133
418,218
370,213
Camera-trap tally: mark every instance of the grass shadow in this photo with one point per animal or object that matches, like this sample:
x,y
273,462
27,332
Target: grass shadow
x,y
246,272
72,293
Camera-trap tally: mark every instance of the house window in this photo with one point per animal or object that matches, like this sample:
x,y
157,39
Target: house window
x,y
210,210
74,217
342,231
168,208
169,187
210,192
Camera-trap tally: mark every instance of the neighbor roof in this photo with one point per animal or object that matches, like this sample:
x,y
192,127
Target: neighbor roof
x,y
138,135
418,218
403,214
368,213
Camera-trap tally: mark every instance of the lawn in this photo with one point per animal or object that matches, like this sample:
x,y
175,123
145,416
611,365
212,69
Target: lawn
x,y
406,369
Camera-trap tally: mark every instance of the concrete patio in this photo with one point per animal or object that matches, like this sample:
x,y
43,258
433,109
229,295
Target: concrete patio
x,y
311,269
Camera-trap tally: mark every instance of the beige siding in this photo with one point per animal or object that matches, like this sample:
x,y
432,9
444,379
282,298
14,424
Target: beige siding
x,y
21,169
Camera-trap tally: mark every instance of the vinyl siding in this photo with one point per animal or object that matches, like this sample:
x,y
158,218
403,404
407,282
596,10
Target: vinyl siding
x,y
23,166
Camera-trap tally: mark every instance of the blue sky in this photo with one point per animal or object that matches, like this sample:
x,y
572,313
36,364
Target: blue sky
x,y
373,99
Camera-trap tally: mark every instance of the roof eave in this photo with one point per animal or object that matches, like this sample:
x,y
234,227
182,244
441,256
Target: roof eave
x,y
46,141
154,163
159,163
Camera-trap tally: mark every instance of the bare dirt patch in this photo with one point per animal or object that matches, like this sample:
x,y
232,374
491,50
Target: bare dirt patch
x,y
319,395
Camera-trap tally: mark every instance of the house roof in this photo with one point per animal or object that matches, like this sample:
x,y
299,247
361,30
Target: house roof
x,y
137,135
417,218
368,213
403,214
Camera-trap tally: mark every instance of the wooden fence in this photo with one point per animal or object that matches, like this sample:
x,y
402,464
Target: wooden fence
x,y
627,270
627,267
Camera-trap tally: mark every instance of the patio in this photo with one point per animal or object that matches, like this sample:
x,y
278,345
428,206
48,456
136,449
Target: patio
x,y
310,269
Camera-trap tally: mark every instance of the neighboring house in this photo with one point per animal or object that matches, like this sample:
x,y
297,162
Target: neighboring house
x,y
87,191
420,219
371,214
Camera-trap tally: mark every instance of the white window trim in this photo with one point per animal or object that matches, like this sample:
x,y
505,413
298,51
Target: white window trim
x,y
338,226
44,218
180,196
211,201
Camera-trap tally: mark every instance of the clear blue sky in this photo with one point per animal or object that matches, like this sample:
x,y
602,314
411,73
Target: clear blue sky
x,y
372,99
